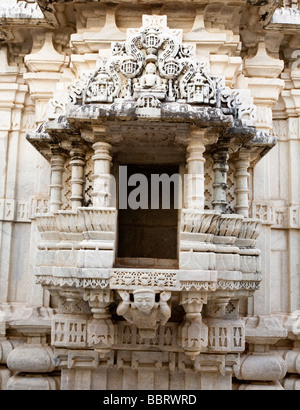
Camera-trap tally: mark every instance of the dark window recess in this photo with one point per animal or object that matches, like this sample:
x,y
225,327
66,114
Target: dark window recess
x,y
149,233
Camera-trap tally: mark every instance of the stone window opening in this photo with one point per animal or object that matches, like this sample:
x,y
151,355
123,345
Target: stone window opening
x,y
148,238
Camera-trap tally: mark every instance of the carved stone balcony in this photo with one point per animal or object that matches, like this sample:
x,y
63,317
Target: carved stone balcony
x,y
218,265
212,247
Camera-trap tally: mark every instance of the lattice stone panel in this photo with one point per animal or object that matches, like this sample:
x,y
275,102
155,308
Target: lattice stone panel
x,y
209,180
166,337
208,188
226,336
88,186
230,197
69,332
67,187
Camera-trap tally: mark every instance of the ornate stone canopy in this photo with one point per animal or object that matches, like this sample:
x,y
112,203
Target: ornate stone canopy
x,y
151,79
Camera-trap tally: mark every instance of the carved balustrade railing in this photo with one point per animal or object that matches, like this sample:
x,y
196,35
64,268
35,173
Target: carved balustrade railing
x,y
207,226
84,228
74,229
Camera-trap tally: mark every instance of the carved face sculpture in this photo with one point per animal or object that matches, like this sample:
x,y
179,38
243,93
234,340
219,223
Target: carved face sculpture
x,y
144,301
150,68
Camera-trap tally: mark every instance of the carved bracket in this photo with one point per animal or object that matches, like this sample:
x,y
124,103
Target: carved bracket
x,y
144,311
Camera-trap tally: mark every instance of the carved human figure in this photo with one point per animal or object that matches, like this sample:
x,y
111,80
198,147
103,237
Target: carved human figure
x,y
150,79
100,88
144,311
200,89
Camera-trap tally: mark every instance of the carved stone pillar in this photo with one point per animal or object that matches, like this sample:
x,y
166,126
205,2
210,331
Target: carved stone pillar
x,y
102,178
242,164
220,181
56,186
195,165
77,163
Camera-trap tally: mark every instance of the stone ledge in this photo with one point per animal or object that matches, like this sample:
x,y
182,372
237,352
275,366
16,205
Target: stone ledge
x,y
160,280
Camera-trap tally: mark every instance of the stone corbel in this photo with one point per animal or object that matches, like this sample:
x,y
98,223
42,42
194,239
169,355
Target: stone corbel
x,y
144,311
88,42
292,101
262,65
47,59
216,308
70,301
193,334
45,68
264,84
264,330
295,76
223,65
101,331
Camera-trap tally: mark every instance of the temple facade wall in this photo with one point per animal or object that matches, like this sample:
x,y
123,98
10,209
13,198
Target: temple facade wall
x,y
225,312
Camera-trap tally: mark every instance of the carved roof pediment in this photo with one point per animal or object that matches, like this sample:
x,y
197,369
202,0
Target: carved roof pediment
x,y
152,77
153,74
